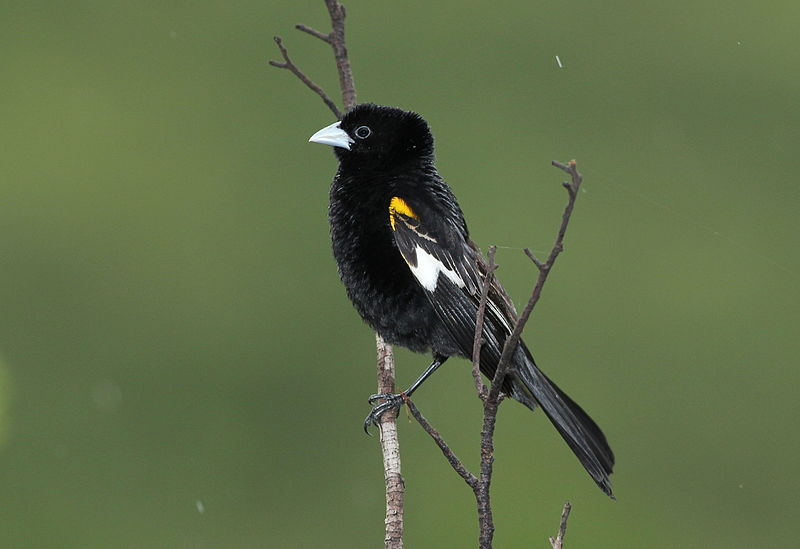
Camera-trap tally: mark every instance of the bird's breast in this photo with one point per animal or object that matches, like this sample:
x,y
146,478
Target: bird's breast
x,y
377,279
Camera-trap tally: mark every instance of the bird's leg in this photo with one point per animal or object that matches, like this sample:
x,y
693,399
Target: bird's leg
x,y
393,401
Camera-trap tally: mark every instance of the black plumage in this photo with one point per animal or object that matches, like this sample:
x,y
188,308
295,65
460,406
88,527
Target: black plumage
x,y
406,260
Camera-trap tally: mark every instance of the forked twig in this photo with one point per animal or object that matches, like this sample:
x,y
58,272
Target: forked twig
x,y
544,270
558,541
290,66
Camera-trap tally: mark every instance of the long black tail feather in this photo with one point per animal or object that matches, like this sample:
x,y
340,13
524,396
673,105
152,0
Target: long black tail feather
x,y
532,388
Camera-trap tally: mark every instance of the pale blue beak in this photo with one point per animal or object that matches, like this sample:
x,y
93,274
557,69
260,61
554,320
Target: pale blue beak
x,y
332,135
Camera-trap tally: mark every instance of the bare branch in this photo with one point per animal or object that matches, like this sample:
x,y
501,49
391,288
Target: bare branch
x,y
455,463
493,399
337,42
544,270
558,541
314,32
571,168
535,259
480,386
390,447
290,66
482,494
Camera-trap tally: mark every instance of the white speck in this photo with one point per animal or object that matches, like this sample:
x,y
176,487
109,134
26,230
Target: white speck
x,y
558,60
741,486
738,43
200,507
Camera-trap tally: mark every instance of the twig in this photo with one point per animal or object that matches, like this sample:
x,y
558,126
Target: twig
x,y
340,53
337,42
480,386
390,447
533,258
544,270
558,541
492,401
314,32
482,494
451,457
290,66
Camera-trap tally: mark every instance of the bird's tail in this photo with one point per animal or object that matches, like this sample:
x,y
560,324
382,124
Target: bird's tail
x,y
531,387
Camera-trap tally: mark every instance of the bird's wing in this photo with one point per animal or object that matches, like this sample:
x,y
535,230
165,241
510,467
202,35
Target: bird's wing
x,y
451,270
430,251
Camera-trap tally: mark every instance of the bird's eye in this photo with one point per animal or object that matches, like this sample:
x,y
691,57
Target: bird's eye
x,y
362,132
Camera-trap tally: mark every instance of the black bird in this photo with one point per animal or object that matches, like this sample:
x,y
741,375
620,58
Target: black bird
x,y
412,272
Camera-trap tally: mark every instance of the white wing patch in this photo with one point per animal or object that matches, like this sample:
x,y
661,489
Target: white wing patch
x,y
428,268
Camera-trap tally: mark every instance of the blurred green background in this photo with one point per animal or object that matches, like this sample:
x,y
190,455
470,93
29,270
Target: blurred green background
x,y
181,368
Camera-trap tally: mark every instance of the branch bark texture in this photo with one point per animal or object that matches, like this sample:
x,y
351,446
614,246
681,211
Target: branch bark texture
x,y
557,542
390,447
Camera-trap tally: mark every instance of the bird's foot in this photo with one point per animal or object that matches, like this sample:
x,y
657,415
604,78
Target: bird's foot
x,y
390,402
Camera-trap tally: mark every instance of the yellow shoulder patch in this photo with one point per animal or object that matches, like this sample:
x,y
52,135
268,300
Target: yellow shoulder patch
x,y
398,205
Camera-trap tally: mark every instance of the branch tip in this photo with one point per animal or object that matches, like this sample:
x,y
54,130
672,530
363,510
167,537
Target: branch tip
x,y
291,67
533,258
314,32
558,541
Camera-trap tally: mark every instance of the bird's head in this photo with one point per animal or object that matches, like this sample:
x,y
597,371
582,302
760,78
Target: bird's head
x,y
379,137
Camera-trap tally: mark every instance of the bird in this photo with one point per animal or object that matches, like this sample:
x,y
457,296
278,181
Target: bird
x,y
408,265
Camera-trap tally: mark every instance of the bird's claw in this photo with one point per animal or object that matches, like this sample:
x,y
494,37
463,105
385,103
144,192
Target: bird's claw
x,y
390,402
379,396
